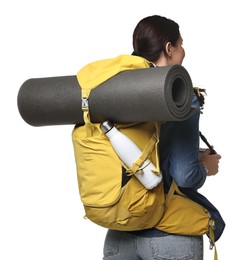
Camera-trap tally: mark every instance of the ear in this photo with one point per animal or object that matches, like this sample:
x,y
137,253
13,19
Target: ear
x,y
168,48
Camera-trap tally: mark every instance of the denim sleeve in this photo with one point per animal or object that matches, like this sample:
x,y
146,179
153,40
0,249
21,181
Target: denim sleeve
x,y
183,152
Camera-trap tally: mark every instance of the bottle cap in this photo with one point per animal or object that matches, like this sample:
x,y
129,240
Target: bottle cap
x,y
106,126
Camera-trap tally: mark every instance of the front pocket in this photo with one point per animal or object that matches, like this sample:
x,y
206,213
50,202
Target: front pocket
x,y
137,208
99,171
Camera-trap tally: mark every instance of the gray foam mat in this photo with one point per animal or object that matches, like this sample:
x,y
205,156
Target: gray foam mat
x,y
151,94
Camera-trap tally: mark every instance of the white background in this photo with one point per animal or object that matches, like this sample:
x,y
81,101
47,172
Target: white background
x,y
41,216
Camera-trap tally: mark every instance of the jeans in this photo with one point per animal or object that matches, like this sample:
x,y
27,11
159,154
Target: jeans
x,y
125,246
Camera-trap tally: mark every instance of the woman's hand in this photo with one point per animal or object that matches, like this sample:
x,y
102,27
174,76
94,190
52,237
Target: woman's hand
x,y
210,162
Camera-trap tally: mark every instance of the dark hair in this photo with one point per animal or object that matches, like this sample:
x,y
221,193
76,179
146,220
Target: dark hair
x,y
151,35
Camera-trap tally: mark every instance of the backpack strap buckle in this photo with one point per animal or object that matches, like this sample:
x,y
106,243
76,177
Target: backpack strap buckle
x,y
85,104
85,93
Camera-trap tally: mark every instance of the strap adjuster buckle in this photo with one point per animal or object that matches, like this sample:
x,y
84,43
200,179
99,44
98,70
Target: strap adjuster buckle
x,y
85,104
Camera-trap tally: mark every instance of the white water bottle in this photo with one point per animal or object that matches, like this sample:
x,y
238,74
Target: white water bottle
x,y
129,152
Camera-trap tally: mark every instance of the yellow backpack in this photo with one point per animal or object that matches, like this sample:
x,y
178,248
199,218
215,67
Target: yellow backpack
x,y
129,206
106,201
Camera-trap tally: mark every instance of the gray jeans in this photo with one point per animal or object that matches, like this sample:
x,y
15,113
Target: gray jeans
x,y
124,246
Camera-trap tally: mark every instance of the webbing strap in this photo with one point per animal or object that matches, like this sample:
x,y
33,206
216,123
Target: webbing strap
x,y
85,108
173,188
170,194
88,125
144,155
157,127
211,238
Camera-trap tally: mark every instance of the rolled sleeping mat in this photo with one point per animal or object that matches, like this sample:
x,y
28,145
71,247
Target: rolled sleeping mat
x,y
140,95
50,101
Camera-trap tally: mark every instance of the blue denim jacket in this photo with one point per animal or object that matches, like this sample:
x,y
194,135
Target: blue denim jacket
x,y
179,143
179,150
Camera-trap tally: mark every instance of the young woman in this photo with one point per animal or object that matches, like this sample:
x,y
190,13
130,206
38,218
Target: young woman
x,y
158,40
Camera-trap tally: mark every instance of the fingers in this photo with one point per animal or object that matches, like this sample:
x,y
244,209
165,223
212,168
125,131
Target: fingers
x,y
210,162
218,156
214,164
